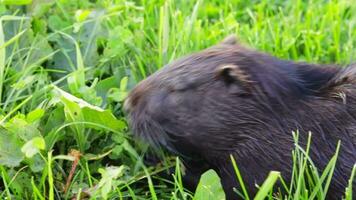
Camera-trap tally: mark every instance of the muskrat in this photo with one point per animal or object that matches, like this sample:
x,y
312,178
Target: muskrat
x,y
232,100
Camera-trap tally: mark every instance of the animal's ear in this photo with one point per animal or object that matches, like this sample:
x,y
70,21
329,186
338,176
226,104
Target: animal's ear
x,y
234,77
230,40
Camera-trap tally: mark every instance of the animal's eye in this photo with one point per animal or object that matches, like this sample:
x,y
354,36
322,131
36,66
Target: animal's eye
x,y
172,89
184,84
178,88
179,91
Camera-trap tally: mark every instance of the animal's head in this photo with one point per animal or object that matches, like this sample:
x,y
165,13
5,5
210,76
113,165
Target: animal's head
x,y
217,98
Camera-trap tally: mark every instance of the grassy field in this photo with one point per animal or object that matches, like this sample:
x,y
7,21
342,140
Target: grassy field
x,y
66,67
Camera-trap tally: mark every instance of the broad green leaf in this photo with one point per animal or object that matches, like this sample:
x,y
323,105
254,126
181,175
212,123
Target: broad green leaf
x,y
73,83
123,83
116,152
89,95
63,61
33,146
104,118
79,110
36,163
118,138
61,94
39,8
10,153
35,115
73,113
55,22
117,95
116,43
40,52
81,15
21,128
209,187
39,26
72,110
105,85
55,120
108,176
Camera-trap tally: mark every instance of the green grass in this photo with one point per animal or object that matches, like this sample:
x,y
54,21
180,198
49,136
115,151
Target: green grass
x,y
66,66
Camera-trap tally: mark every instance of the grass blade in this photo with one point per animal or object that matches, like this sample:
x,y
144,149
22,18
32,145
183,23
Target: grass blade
x,y
349,189
2,58
267,185
239,178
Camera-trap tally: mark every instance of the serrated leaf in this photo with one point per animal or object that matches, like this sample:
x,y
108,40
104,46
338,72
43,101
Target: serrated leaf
x,y
209,187
33,146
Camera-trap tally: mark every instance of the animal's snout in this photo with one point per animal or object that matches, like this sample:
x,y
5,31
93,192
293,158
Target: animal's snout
x,y
137,96
132,100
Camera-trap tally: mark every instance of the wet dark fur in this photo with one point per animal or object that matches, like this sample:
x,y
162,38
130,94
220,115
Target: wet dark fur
x,y
199,109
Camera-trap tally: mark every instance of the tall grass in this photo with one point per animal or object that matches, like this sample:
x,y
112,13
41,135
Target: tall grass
x,y
66,66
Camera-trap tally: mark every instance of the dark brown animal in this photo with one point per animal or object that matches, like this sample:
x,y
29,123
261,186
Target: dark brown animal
x,y
229,99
